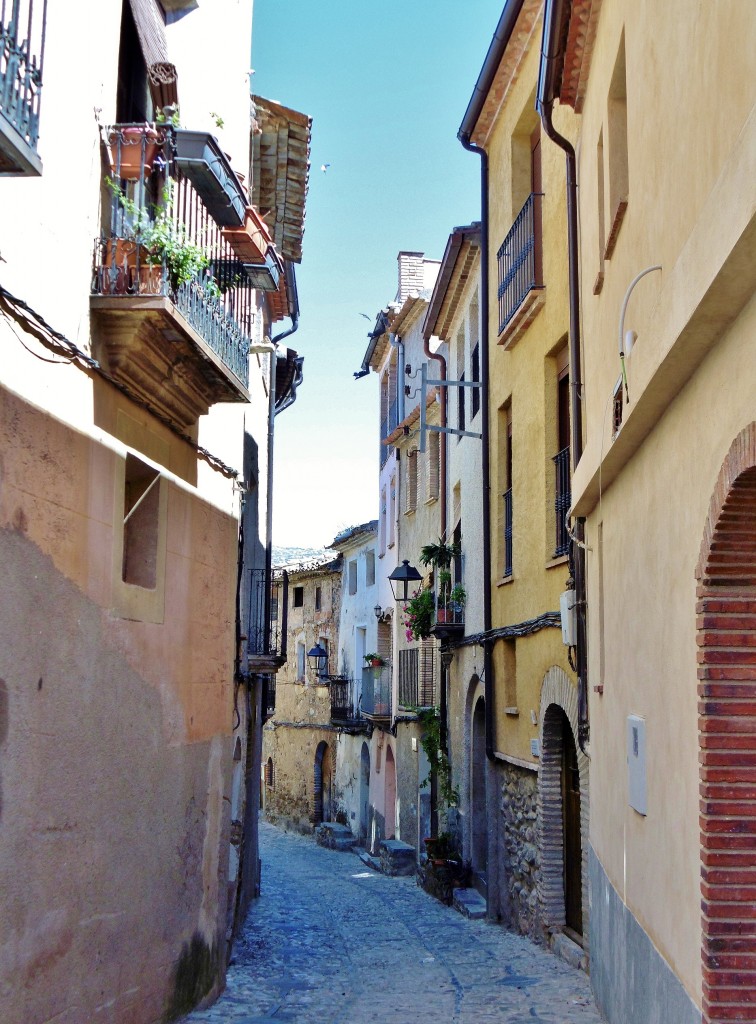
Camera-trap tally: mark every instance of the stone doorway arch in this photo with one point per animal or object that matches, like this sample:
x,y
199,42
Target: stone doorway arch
x,y
726,636
322,784
562,794
390,794
364,791
478,808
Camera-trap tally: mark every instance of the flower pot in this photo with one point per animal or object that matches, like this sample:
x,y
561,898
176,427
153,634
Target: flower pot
x,y
444,615
251,241
133,150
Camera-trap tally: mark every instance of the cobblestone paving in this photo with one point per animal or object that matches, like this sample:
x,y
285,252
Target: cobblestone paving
x,y
331,941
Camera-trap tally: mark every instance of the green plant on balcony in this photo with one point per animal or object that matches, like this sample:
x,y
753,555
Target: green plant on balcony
x,y
164,240
458,597
418,613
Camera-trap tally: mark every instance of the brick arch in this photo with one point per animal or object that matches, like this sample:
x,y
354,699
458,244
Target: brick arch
x,y
557,691
726,636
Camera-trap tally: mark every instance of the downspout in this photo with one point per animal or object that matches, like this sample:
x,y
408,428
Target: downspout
x,y
398,344
552,56
442,496
488,663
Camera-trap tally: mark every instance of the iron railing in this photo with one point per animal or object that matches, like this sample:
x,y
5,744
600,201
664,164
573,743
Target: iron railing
x,y
562,499
342,700
22,48
507,532
518,260
417,676
376,692
449,596
268,613
162,240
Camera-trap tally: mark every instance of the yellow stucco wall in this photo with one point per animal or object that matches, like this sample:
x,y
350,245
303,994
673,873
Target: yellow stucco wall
x,y
523,377
691,144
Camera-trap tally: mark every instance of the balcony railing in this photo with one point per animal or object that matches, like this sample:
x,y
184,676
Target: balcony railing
x,y
519,260
417,676
376,692
507,532
268,610
343,709
562,499
449,597
22,46
167,221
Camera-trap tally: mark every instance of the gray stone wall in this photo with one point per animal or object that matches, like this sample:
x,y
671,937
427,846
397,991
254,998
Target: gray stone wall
x,y
519,808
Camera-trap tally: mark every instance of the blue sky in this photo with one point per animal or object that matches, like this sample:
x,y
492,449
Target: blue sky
x,y
387,84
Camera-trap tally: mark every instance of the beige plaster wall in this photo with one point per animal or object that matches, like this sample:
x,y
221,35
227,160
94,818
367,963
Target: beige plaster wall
x,y
691,209
116,739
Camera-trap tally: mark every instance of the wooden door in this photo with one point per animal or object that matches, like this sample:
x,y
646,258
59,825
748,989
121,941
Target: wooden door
x,y
573,853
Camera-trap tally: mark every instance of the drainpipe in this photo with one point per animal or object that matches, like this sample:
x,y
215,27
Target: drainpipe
x,y
442,495
488,664
552,55
398,344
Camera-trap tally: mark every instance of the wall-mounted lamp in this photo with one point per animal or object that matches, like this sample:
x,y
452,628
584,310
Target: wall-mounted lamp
x,y
318,659
378,611
401,578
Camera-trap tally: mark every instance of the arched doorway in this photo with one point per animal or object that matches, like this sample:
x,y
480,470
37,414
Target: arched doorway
x,y
479,845
563,809
726,611
323,781
390,794
364,790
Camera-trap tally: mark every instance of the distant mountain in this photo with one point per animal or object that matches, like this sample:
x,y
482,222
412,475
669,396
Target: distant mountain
x,y
287,555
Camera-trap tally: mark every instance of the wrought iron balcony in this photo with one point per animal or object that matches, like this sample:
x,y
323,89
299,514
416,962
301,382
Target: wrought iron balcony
x,y
507,496
562,500
172,281
343,705
449,597
519,261
22,47
268,611
376,693
417,676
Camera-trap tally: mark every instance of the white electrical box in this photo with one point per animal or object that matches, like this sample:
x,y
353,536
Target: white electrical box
x,y
636,763
414,743
568,616
535,748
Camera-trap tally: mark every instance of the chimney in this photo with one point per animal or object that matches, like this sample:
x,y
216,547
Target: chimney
x,y
411,277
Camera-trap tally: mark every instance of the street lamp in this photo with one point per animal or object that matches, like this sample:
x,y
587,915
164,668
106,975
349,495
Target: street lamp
x,y
378,611
318,659
401,578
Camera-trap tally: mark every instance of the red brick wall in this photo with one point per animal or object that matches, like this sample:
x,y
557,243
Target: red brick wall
x,y
726,626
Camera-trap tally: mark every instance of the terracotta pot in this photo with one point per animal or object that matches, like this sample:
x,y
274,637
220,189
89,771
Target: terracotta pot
x,y
250,242
133,150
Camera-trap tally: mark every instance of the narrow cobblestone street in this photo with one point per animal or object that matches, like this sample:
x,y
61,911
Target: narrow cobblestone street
x,y
332,941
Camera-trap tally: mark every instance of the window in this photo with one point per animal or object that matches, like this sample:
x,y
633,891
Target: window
x,y
506,478
411,494
475,398
616,151
270,774
140,523
382,525
433,456
562,490
352,570
392,513
617,408
370,568
601,200
323,667
301,664
298,598
318,598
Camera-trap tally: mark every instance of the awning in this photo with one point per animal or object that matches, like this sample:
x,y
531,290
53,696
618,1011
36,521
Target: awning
x,y
163,77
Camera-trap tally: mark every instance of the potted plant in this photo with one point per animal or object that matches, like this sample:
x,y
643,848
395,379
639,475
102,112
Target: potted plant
x,y
133,149
457,597
418,613
443,611
375,661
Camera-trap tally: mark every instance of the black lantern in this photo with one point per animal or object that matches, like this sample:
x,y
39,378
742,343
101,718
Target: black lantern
x,y
401,578
378,611
318,659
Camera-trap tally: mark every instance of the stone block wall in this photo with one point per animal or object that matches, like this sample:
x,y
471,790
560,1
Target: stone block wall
x,y
519,808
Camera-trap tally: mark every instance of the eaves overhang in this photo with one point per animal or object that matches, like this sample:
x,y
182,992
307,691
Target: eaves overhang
x,y
280,146
462,250
411,309
399,431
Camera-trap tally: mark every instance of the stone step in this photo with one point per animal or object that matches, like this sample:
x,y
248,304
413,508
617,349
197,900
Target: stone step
x,y
397,858
334,836
372,862
569,951
470,903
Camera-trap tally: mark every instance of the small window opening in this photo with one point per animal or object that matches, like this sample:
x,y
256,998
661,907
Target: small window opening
x,y
140,523
299,597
